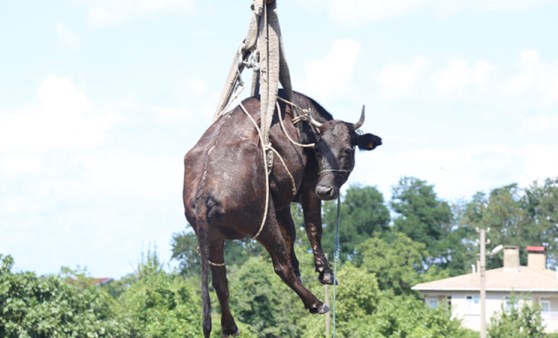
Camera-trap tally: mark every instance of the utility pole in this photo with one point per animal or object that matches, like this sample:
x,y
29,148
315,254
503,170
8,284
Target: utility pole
x,y
327,315
482,272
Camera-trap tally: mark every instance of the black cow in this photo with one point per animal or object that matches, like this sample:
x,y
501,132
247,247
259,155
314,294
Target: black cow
x,y
227,194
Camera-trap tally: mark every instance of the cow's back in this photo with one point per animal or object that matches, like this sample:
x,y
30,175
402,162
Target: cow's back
x,y
225,170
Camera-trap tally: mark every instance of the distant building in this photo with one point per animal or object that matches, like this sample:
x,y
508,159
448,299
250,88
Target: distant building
x,y
533,282
101,281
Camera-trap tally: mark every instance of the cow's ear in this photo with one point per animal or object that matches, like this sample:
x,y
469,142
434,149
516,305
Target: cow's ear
x,y
368,141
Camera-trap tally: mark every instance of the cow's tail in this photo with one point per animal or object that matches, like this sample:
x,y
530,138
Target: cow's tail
x,y
202,230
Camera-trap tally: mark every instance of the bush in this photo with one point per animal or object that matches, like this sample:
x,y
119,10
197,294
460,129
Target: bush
x,y
33,306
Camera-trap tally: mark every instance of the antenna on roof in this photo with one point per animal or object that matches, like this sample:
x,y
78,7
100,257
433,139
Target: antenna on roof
x,y
496,250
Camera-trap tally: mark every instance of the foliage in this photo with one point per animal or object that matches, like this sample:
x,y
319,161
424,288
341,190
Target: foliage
x,y
516,217
541,204
263,301
406,316
426,219
380,261
395,260
363,213
522,320
185,250
159,304
50,306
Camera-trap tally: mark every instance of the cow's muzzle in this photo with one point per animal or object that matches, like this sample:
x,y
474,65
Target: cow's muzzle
x,y
326,192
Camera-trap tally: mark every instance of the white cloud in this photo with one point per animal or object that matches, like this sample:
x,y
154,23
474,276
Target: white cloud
x,y
361,11
64,118
198,87
540,162
535,77
131,175
66,37
540,123
459,77
401,78
357,11
107,12
17,164
458,172
450,7
327,76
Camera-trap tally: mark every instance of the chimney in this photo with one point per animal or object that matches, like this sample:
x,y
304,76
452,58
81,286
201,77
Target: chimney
x,y
536,259
511,257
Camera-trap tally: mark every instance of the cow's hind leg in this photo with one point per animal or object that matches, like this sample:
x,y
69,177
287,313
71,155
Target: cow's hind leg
x,y
275,245
221,286
288,232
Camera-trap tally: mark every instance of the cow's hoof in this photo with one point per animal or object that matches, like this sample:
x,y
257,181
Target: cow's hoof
x,y
327,278
324,308
231,333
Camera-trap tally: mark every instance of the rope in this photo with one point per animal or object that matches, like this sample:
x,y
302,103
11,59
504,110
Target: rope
x,y
336,249
334,171
309,145
266,172
286,169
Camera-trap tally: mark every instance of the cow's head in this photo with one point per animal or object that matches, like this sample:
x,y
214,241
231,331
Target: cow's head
x,y
335,152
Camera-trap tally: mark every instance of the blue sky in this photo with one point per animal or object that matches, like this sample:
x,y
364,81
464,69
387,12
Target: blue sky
x,y
100,100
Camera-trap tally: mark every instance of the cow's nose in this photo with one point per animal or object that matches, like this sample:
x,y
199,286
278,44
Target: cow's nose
x,y
324,190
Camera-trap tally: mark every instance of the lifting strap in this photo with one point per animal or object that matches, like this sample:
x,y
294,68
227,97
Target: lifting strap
x,y
263,51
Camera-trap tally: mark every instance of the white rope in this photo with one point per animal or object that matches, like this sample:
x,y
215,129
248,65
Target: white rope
x,y
309,145
266,172
216,264
286,169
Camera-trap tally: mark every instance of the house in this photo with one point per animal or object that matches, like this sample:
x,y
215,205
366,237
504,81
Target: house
x,y
534,283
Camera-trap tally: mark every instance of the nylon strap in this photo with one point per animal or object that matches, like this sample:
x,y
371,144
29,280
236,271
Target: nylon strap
x,y
264,45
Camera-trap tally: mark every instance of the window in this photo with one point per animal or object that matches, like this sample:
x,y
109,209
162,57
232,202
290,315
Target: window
x,y
509,303
473,304
545,307
432,302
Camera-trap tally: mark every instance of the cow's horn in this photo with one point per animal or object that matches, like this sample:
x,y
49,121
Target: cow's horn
x,y
312,121
360,121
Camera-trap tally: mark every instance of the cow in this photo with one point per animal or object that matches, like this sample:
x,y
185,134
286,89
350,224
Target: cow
x,y
232,192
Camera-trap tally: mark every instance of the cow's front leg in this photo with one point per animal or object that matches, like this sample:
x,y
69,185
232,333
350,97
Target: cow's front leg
x,y
312,209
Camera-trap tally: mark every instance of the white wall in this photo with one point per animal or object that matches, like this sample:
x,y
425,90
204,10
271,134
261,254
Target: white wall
x,y
468,309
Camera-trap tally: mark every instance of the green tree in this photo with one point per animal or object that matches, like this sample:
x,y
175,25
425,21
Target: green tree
x,y
363,213
363,311
424,218
522,320
185,251
261,300
357,297
541,202
503,212
406,316
160,304
396,261
51,306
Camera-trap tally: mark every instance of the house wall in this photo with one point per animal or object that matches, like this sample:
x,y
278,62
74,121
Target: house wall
x,y
466,307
